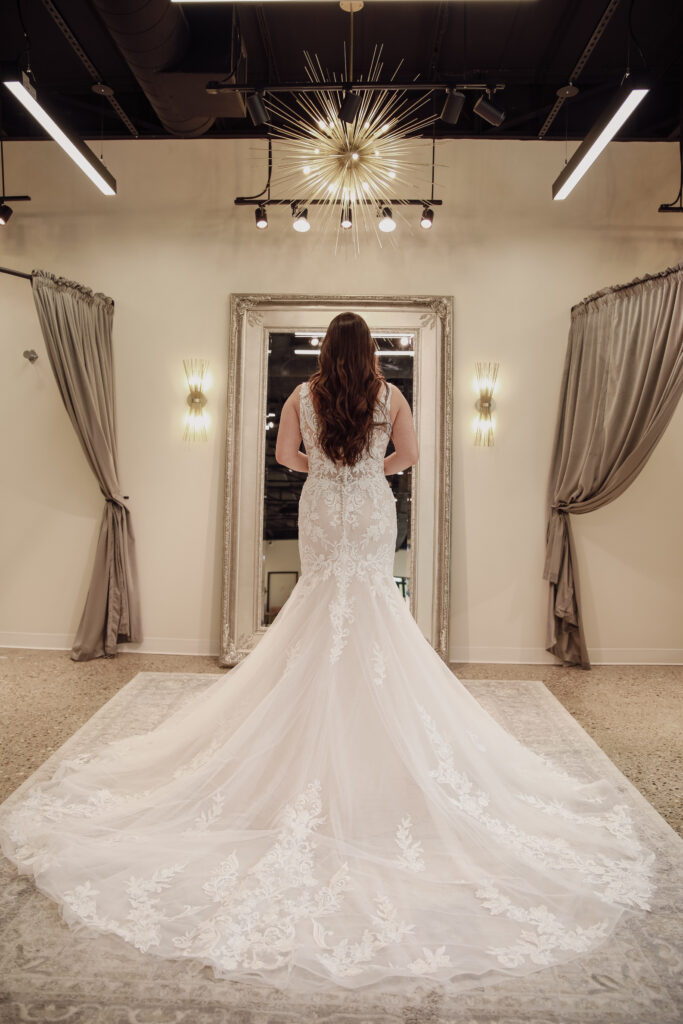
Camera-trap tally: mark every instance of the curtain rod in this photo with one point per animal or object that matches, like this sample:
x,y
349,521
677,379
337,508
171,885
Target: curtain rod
x,y
20,273
16,273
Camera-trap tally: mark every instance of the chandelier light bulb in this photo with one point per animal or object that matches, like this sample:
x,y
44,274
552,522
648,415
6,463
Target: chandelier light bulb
x,y
346,219
261,218
387,222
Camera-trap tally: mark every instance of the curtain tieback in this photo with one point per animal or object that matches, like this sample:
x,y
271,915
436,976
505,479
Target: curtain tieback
x,y
555,543
117,499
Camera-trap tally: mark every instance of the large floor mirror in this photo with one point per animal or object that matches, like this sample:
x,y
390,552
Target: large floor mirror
x,y
273,347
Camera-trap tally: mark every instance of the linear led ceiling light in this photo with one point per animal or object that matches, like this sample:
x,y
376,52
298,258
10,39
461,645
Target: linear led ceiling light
x,y
19,85
605,128
378,352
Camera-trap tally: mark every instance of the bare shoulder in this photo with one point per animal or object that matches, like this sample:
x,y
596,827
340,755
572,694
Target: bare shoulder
x,y
393,398
397,401
295,395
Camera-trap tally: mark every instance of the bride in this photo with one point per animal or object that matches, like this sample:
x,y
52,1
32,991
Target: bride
x,y
338,810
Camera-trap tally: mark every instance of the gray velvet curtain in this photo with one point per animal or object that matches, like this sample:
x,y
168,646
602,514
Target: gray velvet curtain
x,y
77,328
623,376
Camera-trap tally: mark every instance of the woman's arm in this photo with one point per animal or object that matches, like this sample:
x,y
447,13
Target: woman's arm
x,y
289,436
403,435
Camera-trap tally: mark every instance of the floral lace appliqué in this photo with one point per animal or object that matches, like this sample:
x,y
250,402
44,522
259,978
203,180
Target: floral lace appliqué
x,y
545,935
622,880
411,850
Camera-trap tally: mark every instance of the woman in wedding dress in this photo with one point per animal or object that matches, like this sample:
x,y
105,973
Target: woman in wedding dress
x,y
337,810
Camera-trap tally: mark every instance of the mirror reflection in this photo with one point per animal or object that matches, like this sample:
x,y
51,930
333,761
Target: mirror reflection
x,y
292,358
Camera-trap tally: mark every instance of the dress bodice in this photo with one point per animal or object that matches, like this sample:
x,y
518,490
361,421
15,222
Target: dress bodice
x,y
371,461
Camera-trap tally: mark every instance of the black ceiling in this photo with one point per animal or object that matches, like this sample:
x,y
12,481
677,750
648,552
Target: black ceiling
x,y
530,46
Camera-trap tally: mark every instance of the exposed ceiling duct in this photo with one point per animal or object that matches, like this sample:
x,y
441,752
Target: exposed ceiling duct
x,y
154,38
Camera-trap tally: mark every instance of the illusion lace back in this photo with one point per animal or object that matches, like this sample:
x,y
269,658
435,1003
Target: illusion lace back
x,y
338,809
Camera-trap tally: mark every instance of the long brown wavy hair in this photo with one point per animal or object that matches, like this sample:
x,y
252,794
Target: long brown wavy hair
x,y
345,387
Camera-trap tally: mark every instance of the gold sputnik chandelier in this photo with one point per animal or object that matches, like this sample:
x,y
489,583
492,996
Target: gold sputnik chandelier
x,y
346,148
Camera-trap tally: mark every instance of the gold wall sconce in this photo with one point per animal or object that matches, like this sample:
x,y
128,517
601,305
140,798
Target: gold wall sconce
x,y
485,386
196,417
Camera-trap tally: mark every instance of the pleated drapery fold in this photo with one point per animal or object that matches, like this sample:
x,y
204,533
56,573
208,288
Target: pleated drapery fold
x,y
622,380
77,328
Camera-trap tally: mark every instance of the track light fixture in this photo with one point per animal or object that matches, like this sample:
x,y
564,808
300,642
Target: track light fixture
x,y
427,218
452,108
386,221
21,87
5,210
300,221
257,110
488,112
374,213
350,107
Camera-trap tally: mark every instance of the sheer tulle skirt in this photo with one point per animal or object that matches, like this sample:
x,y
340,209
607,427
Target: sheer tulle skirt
x,y
315,823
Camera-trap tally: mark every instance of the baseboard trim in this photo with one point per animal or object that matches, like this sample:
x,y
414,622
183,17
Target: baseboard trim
x,y
539,656
151,645
458,655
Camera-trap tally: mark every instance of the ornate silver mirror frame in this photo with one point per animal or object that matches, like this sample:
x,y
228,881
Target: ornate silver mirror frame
x,y
252,319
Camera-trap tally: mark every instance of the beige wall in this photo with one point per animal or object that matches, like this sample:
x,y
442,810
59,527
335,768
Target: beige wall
x,y
171,247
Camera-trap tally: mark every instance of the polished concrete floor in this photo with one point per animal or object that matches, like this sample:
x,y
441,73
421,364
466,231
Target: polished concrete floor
x,y
633,712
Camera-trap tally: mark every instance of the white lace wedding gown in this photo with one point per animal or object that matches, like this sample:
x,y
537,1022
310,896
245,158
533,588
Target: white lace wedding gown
x,y
338,809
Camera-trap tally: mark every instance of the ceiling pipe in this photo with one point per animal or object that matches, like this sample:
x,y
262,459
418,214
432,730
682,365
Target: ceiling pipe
x,y
154,37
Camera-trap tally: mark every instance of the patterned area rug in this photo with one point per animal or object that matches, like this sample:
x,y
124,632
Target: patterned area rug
x,y
49,974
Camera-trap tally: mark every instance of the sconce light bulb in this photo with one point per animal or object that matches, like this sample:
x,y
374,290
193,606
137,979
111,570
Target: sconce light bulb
x,y
196,417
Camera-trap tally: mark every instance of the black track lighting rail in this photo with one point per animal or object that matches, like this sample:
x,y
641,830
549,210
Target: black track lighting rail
x,y
249,201
218,87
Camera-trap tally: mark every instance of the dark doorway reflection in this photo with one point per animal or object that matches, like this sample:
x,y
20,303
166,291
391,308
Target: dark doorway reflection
x,y
292,358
